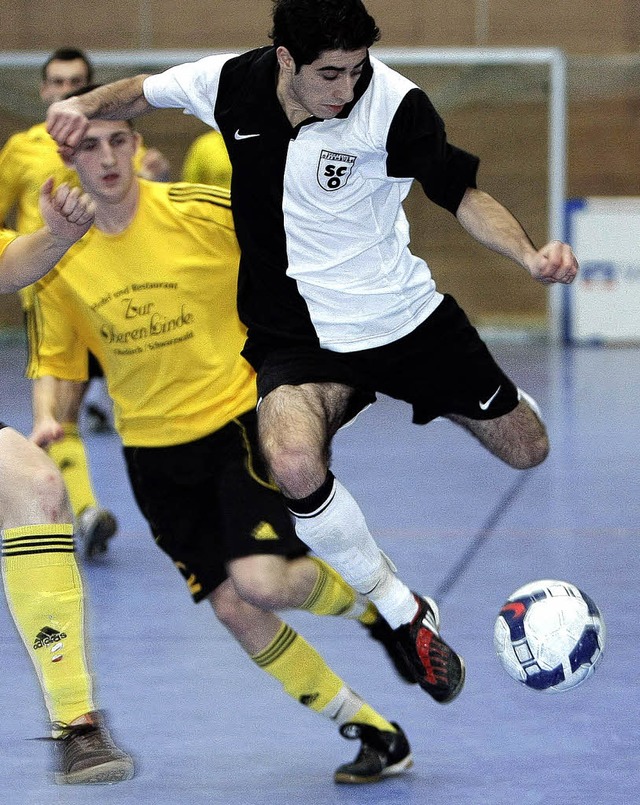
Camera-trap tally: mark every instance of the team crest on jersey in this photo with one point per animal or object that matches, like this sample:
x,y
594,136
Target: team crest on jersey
x,y
334,169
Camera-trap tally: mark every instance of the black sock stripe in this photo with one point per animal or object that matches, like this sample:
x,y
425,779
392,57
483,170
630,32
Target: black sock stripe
x,y
316,502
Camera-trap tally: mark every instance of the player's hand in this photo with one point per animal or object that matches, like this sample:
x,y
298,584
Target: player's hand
x,y
154,166
67,124
554,262
46,431
67,212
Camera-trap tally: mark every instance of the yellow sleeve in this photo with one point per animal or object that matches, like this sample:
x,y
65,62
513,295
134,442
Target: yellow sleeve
x,y
10,176
55,346
6,236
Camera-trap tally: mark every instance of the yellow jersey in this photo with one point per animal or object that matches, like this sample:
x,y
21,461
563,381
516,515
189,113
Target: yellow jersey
x,y
207,161
6,236
27,160
156,304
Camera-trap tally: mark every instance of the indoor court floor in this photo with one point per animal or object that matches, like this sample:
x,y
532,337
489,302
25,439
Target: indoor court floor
x,y
207,726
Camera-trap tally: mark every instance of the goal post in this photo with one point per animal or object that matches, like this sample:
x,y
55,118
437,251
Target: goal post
x,y
510,103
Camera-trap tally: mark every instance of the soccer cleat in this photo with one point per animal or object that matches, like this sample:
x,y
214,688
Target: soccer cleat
x,y
436,667
87,754
380,631
382,754
95,526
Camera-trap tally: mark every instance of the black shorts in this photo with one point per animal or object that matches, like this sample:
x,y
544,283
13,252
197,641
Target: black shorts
x,y
95,369
210,501
442,367
2,425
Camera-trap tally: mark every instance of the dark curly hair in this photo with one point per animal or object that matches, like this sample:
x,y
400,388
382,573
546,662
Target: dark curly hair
x,y
306,28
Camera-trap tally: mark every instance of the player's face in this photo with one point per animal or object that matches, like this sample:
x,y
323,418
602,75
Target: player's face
x,y
104,160
62,78
323,87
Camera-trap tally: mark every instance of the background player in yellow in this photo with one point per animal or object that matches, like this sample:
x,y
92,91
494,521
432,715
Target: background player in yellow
x,y
26,160
41,580
150,290
207,161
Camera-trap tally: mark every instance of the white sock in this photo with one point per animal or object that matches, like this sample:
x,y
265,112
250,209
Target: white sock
x,y
337,532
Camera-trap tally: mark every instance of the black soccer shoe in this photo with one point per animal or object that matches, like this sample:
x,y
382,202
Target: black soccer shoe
x,y
380,631
382,754
436,667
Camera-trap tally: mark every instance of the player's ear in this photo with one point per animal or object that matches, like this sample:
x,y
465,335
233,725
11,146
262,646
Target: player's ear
x,y
285,59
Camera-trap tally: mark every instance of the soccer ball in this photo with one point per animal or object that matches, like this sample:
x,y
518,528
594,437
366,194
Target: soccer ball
x,y
549,635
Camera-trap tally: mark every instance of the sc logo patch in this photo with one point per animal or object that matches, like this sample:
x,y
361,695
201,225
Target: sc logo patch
x,y
334,169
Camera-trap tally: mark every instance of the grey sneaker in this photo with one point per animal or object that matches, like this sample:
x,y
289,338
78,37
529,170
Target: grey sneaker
x,y
87,754
95,526
382,754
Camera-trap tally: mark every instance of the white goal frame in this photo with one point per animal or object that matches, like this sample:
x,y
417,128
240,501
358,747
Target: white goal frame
x,y
553,58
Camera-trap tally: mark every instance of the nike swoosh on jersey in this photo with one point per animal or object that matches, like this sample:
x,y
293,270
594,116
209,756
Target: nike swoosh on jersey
x,y
239,136
485,405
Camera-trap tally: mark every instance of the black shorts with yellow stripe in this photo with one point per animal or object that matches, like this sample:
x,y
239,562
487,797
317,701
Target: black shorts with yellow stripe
x,y
210,501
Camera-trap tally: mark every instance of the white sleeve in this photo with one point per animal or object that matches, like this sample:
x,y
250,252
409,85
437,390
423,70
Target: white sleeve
x,y
192,87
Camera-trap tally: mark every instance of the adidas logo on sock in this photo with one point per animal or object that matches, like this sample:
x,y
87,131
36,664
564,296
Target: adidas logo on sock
x,y
46,636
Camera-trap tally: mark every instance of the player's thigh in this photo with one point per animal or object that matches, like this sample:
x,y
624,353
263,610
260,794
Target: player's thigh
x,y
302,417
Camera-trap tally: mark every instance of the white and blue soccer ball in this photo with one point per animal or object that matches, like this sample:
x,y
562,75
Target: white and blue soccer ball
x,y
549,635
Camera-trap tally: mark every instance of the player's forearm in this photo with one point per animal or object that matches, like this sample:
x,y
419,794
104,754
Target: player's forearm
x,y
43,396
491,224
29,257
120,100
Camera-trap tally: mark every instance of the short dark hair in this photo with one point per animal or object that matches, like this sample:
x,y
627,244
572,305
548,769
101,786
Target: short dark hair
x,y
306,28
68,54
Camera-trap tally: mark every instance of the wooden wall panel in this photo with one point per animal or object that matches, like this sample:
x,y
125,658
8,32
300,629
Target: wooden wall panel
x,y
577,27
49,24
590,26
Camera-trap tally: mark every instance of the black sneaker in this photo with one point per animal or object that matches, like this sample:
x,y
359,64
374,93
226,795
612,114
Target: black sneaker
x,y
436,667
382,754
380,631
87,754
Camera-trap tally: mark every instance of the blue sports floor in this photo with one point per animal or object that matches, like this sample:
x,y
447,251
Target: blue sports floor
x,y
207,726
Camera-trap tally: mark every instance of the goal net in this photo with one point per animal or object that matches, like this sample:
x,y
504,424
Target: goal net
x,y
508,106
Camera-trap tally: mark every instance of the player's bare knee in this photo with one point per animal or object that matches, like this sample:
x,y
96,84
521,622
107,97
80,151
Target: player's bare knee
x,y
227,605
47,493
262,589
296,472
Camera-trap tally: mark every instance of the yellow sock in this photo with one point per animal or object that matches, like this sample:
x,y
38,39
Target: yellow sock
x,y
306,677
71,458
332,595
44,592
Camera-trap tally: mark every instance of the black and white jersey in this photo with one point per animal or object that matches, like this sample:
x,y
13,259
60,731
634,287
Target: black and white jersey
x,y
318,208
